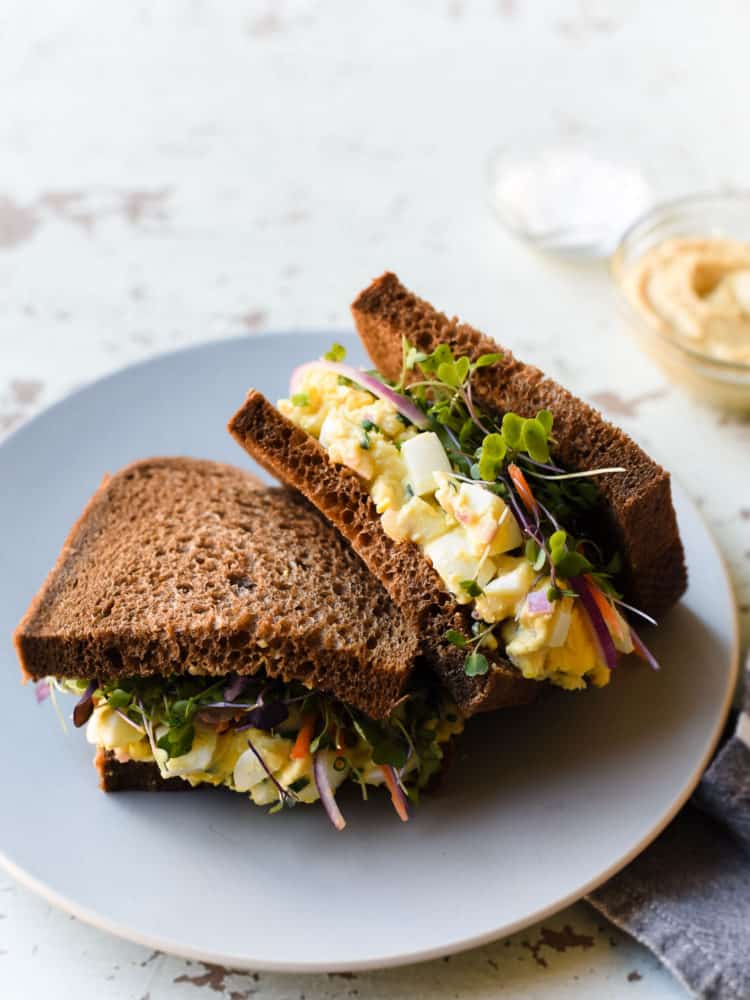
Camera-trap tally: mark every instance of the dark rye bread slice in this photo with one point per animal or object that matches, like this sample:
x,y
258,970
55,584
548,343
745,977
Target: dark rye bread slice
x,y
179,566
133,775
637,505
299,460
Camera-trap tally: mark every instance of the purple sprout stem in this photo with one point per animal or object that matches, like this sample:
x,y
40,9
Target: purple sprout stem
x,y
454,440
547,466
537,536
534,533
520,516
283,792
466,395
556,526
550,517
237,705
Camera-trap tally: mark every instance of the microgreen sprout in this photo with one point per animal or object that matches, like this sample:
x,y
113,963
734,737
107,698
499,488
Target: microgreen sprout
x,y
56,706
590,473
336,353
476,663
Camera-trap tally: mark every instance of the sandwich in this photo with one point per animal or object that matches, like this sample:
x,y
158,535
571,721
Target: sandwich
x,y
519,533
218,632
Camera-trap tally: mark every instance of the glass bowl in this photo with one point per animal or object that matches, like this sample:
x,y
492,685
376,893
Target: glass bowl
x,y
725,215
566,199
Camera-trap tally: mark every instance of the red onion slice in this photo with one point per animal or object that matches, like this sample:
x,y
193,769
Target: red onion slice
x,y
265,717
235,688
85,705
215,716
643,651
560,629
597,622
538,603
320,772
41,690
369,382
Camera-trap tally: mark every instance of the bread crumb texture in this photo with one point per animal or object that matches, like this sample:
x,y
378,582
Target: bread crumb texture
x,y
186,566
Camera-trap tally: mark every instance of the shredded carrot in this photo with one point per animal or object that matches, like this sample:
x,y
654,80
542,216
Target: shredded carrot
x,y
396,795
523,488
608,613
301,748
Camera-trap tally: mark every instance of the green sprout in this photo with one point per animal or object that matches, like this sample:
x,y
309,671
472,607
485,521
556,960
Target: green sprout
x,y
336,353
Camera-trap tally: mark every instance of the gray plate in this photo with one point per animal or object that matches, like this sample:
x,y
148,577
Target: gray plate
x,y
542,804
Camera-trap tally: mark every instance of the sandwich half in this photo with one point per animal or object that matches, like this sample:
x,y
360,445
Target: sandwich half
x,y
512,525
219,632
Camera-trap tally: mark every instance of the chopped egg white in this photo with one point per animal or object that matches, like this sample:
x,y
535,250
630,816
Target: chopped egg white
x,y
249,771
199,756
107,729
503,594
486,517
424,457
454,560
417,521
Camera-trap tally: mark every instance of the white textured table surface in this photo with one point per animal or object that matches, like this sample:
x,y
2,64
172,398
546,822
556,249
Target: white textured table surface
x,y
193,170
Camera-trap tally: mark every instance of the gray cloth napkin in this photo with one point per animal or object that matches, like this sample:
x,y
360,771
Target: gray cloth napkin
x,y
687,897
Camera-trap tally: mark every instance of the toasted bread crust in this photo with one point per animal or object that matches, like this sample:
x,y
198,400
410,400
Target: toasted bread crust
x,y
180,566
638,511
299,460
133,775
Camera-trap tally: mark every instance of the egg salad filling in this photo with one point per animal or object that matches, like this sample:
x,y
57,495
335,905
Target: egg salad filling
x,y
280,744
458,483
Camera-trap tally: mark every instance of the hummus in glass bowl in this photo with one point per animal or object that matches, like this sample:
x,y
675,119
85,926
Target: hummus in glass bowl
x,y
683,271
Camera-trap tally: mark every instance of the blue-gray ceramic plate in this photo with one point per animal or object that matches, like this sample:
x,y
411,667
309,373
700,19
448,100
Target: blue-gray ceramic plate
x,y
542,803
